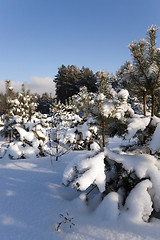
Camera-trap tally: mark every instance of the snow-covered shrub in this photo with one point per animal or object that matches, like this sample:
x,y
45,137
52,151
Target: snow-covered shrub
x,y
119,179
70,130
81,173
145,133
133,181
28,137
82,102
143,176
82,135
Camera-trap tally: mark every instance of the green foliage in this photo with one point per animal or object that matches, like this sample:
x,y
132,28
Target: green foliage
x,y
116,127
69,79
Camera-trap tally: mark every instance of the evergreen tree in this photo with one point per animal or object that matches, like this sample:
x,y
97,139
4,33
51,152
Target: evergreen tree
x,y
130,79
88,79
144,76
154,64
24,104
44,103
9,96
66,82
2,103
105,93
69,79
82,102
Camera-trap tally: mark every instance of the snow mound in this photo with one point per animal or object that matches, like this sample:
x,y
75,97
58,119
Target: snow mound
x,y
138,204
108,208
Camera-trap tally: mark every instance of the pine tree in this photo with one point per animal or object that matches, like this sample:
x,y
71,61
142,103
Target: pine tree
x,y
88,79
154,64
9,96
82,102
27,104
44,103
69,79
130,80
105,93
144,74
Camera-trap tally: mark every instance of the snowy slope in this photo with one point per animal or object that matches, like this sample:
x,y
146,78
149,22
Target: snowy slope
x,y
32,197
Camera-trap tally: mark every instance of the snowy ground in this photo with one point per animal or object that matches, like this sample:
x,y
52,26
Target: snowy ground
x,y
32,198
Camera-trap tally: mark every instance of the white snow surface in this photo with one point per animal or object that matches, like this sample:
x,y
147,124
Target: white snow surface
x,y
32,197
155,142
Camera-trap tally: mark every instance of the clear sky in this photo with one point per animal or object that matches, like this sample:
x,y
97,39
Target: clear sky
x,y
38,36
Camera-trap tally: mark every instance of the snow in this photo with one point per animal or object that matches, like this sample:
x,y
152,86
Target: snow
x,y
124,94
155,143
91,171
139,208
107,109
29,136
144,166
95,147
153,71
108,209
138,122
32,198
86,134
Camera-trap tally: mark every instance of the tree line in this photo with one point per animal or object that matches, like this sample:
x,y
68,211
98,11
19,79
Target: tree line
x,y
141,77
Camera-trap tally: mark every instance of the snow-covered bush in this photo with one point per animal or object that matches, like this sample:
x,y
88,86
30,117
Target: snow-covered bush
x,y
144,130
27,139
70,130
81,173
132,179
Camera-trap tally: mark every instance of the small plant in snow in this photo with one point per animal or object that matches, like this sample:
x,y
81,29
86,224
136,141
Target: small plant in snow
x,y
64,220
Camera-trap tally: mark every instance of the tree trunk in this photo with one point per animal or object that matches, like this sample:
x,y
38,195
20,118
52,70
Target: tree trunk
x,y
152,102
103,131
10,137
144,104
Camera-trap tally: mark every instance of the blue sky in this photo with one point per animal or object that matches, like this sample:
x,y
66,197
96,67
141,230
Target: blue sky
x,y
38,36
